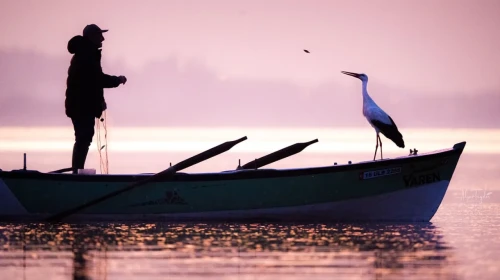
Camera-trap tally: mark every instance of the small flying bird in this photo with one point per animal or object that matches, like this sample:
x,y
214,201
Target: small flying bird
x,y
306,51
378,119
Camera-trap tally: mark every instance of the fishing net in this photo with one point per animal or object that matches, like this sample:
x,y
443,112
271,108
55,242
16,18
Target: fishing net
x,y
103,156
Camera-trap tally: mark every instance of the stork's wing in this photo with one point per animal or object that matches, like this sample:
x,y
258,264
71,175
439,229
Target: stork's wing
x,y
390,131
393,123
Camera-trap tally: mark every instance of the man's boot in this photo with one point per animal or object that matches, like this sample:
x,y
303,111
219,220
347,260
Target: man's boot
x,y
79,157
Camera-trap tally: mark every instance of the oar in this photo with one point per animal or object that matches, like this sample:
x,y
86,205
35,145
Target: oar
x,y
167,173
61,170
278,155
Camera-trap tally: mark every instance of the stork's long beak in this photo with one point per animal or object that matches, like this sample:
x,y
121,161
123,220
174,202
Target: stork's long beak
x,y
350,74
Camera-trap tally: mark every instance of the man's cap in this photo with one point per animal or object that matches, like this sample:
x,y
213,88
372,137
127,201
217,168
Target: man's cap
x,y
93,29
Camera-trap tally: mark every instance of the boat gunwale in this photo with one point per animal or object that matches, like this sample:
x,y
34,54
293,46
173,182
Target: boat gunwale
x,y
262,173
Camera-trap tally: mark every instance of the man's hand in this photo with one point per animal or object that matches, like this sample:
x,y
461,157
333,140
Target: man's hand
x,y
123,80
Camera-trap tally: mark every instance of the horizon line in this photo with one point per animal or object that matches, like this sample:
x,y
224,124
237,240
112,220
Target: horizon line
x,y
255,127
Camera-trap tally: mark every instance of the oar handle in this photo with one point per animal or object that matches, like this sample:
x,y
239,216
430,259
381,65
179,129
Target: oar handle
x,y
61,170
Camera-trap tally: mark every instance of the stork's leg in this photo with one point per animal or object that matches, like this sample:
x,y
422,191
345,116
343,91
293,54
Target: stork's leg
x,y
376,146
380,146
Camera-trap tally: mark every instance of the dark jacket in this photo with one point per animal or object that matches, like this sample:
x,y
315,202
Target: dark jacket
x,y
85,82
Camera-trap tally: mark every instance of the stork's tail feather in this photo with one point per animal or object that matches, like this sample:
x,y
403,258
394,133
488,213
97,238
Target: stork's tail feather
x,y
395,136
399,141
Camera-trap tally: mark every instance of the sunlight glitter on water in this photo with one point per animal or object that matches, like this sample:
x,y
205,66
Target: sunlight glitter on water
x,y
461,243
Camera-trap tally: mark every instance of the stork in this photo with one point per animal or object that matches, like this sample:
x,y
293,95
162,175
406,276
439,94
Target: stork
x,y
378,119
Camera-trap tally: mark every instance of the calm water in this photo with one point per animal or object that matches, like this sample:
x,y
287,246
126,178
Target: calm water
x,y
461,242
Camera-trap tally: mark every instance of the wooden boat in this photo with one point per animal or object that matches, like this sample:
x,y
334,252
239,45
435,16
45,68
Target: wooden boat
x,y
405,189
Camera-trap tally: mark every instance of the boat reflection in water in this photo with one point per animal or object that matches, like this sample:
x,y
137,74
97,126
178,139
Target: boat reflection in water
x,y
191,251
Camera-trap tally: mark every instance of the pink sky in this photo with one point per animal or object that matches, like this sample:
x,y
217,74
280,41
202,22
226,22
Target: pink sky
x,y
428,61
444,46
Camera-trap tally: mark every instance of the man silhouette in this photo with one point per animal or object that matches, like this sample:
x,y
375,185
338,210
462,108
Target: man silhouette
x,y
85,89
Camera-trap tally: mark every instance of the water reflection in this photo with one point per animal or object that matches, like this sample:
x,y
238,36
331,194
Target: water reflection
x,y
189,251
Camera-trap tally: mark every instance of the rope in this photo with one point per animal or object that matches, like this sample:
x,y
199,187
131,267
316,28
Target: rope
x,y
104,165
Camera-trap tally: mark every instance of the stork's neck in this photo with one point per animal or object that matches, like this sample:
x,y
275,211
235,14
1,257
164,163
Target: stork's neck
x,y
366,97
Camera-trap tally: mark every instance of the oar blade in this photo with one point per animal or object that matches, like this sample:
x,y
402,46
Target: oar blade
x,y
278,155
219,149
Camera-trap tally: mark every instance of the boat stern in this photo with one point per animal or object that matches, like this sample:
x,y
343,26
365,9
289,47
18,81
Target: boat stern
x,y
10,206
